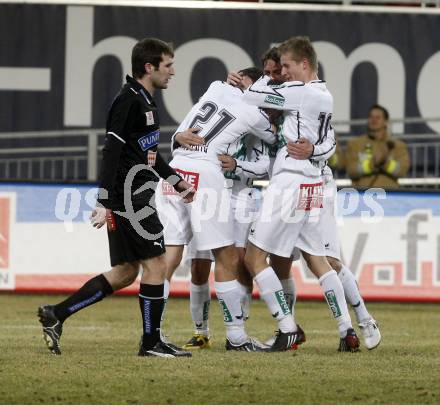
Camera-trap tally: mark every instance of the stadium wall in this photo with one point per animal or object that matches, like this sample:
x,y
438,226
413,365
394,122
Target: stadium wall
x,y
61,65
390,241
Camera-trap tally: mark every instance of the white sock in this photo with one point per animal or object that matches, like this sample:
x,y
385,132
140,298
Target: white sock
x,y
334,295
353,295
166,294
200,299
289,292
228,294
166,289
246,299
272,292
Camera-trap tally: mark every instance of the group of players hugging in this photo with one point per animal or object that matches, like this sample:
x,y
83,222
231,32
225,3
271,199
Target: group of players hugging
x,y
273,123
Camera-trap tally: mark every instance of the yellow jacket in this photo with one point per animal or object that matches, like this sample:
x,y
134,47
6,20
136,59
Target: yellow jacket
x,y
376,163
337,160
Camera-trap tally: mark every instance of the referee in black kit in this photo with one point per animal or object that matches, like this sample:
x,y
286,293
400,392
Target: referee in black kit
x,y
130,172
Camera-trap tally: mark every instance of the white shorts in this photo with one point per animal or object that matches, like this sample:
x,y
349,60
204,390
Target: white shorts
x,y
296,254
193,253
289,216
207,220
245,209
327,219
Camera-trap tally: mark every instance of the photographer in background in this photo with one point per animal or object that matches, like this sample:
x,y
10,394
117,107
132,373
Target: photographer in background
x,y
376,159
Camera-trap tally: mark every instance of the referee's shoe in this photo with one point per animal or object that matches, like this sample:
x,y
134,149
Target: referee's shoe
x,y
52,328
163,349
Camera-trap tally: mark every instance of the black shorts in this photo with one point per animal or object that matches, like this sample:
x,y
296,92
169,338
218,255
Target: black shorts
x,y
128,244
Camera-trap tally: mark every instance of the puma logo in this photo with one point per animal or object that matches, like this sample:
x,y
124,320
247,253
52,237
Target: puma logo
x,y
158,244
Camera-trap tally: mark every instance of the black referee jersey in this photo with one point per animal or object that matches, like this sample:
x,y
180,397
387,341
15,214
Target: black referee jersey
x,y
132,138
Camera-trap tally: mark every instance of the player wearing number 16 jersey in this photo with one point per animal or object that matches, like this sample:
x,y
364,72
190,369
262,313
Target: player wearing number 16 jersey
x,y
293,199
222,120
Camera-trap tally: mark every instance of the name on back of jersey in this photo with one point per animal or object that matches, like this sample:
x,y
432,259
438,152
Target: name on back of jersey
x,y
196,148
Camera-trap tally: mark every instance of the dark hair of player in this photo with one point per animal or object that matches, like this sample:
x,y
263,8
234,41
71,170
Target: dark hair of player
x,y
252,72
275,82
300,48
272,53
148,50
385,113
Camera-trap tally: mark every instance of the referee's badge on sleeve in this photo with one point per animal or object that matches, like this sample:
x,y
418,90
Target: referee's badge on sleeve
x,y
151,158
150,117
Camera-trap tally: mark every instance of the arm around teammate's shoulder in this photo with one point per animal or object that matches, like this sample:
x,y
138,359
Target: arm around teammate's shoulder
x,y
326,149
259,124
255,169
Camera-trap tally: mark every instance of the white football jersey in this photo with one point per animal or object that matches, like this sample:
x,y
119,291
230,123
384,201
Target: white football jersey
x,y
307,109
253,162
327,174
223,119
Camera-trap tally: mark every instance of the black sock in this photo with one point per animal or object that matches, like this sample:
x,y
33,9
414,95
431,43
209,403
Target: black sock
x,y
151,303
91,292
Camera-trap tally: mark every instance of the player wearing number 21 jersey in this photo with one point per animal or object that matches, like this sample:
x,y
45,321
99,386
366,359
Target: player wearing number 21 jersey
x,y
223,120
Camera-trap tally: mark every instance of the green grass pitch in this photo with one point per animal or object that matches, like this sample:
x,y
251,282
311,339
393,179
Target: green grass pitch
x,y
99,364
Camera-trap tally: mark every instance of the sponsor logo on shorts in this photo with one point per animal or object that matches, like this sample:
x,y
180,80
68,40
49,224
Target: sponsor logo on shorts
x,y
190,177
277,100
155,243
333,303
149,140
310,196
